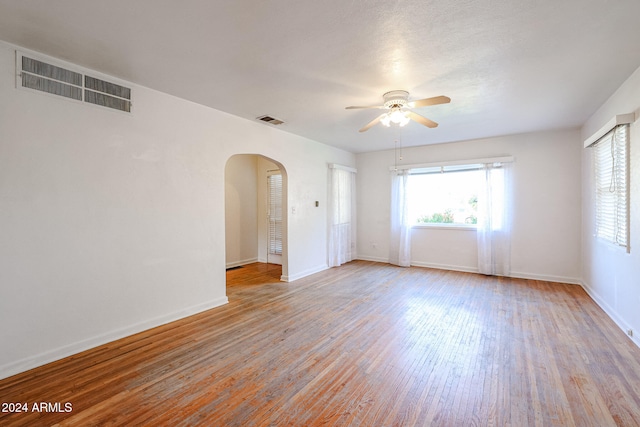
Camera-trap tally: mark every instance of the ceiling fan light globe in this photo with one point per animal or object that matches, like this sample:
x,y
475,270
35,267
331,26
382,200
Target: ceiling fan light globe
x,y
397,116
404,121
386,120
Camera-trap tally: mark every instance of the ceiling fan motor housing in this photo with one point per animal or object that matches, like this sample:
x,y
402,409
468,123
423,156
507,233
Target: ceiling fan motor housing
x,y
396,99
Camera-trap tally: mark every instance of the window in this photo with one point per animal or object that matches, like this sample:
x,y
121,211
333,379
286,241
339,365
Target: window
x,y
476,194
274,213
444,195
611,171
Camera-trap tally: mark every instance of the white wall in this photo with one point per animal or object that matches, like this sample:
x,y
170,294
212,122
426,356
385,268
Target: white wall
x,y
546,229
610,275
113,223
241,210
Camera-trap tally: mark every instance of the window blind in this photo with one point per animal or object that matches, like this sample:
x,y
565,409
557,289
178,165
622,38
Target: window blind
x,y
611,171
274,191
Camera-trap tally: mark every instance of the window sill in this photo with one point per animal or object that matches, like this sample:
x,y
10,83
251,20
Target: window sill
x,y
468,227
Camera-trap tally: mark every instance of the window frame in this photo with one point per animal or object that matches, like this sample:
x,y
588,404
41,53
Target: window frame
x,y
445,226
444,170
450,166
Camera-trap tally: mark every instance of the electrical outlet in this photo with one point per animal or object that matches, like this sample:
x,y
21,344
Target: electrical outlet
x,y
630,332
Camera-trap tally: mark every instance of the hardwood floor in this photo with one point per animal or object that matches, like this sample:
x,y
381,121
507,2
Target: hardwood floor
x,y
365,344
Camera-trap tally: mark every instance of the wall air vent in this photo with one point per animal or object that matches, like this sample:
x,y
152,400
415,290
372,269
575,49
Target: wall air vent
x,y
271,120
51,79
44,77
107,94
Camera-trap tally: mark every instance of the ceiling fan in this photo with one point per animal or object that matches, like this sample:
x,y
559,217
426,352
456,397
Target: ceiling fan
x,y
398,105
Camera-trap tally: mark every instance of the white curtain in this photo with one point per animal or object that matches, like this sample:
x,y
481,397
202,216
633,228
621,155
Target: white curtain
x,y
342,215
400,238
494,220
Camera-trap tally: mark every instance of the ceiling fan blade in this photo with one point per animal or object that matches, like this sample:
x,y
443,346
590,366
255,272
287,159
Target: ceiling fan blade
x,y
422,120
429,101
356,107
372,123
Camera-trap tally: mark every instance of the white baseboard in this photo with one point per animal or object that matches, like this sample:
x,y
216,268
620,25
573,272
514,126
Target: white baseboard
x,y
546,278
445,267
31,362
305,273
374,259
467,269
241,262
613,315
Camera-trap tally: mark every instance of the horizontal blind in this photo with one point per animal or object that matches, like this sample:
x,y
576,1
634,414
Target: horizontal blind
x,y
274,183
610,159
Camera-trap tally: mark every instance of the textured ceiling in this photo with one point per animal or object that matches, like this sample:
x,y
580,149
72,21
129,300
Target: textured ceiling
x,y
508,66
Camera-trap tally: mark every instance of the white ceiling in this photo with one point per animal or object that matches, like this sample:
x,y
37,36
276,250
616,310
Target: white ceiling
x,y
508,66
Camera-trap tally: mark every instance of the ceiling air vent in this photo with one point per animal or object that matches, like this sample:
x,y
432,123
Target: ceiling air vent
x,y
269,119
44,77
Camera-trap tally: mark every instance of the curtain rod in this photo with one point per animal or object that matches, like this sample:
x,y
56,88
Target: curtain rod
x,y
346,168
505,159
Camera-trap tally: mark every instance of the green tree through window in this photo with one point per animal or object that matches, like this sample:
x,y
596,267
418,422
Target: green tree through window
x,y
444,198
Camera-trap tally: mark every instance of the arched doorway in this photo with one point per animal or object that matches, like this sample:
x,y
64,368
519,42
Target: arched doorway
x,y
255,211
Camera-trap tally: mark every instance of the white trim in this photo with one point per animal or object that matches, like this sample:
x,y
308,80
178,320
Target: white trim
x,y
467,269
620,119
513,275
373,259
80,346
505,159
305,273
241,262
613,315
461,268
345,168
545,277
445,226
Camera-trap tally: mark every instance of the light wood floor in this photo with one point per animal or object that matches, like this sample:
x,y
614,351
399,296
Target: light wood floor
x,y
366,344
